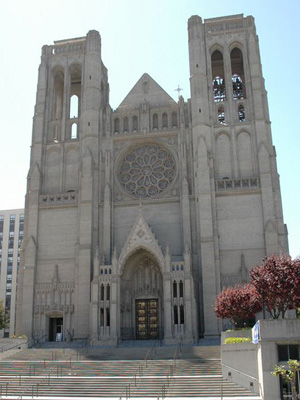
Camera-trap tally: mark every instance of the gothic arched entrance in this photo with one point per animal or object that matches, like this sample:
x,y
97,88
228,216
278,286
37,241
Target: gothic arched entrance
x,y
141,298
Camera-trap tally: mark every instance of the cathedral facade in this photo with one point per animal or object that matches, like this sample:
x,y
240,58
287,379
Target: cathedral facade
x,y
136,218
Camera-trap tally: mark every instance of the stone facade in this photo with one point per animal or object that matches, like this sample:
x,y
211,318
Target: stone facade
x,y
136,218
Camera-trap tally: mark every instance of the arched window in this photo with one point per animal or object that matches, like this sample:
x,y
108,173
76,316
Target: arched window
x,y
175,315
116,125
107,317
164,120
58,95
237,87
181,311
74,106
102,292
174,289
75,91
180,289
217,66
174,119
74,133
221,115
107,292
101,316
155,121
219,88
135,124
125,124
241,113
237,71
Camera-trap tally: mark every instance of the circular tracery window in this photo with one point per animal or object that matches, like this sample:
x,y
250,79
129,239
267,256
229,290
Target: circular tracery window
x,y
147,170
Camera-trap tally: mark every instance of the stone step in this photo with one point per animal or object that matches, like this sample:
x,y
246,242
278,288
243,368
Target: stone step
x,y
153,367
145,387
109,372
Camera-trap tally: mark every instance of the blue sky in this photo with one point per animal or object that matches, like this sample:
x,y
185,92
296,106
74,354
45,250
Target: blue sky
x,y
144,36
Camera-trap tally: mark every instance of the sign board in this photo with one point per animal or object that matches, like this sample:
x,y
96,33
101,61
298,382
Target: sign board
x,y
255,333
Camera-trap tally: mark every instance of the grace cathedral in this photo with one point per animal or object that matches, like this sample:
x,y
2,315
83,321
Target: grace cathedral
x,y
136,218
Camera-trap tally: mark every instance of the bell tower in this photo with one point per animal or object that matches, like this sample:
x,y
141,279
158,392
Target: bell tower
x,y
62,190
236,181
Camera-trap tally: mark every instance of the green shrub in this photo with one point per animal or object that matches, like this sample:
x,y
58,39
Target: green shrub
x,y
239,329
237,340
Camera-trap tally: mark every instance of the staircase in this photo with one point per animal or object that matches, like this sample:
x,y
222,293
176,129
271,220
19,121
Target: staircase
x,y
124,372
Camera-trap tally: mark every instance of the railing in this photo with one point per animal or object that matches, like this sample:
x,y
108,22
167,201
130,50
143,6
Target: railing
x,y
34,389
36,341
172,369
139,372
245,374
10,347
56,370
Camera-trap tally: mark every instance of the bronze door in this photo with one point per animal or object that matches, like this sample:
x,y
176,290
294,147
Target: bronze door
x,y
146,319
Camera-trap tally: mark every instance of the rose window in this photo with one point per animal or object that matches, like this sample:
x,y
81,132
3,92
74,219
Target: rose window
x,y
147,170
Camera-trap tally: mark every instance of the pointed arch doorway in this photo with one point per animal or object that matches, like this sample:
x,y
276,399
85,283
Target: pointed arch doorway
x,y
142,311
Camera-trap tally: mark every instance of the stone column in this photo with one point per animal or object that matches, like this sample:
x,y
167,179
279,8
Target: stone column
x,y
114,310
167,308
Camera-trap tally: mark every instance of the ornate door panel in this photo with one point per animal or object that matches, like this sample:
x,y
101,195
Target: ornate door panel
x,y
147,321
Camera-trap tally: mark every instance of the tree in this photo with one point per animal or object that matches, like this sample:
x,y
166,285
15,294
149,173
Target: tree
x,y
238,304
288,375
4,317
277,281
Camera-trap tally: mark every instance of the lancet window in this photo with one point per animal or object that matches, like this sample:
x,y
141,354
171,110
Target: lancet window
x,y
241,113
155,121
58,95
104,311
217,65
165,120
178,306
117,125
74,101
221,115
174,119
125,124
237,71
135,123
74,133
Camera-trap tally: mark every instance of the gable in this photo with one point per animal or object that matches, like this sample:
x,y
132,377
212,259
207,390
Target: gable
x,y
146,90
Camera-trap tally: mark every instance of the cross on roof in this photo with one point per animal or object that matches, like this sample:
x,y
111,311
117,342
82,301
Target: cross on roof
x,y
178,90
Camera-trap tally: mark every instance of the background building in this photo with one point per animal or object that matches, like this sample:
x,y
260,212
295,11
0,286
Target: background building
x,y
136,218
11,237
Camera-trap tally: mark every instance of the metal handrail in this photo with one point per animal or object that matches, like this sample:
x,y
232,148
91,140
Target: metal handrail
x,y
5,348
172,369
245,374
139,372
240,372
55,367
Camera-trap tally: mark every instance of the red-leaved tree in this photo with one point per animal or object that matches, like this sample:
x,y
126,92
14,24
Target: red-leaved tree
x,y
277,281
238,304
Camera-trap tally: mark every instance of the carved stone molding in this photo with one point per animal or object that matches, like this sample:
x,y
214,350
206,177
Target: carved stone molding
x,y
68,48
47,200
141,236
229,185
